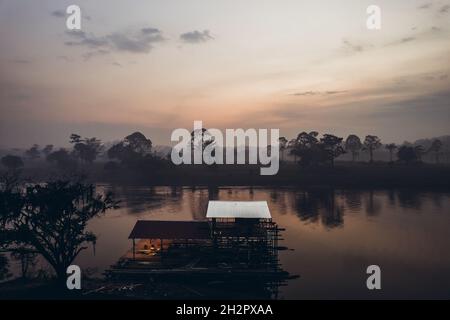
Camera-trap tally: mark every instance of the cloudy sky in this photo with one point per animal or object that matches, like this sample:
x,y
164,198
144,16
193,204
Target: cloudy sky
x,y
155,66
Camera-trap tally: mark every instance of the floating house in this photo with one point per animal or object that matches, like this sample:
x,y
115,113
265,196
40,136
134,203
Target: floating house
x,y
236,240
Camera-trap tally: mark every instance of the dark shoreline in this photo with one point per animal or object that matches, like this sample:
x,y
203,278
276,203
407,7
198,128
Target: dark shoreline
x,y
343,175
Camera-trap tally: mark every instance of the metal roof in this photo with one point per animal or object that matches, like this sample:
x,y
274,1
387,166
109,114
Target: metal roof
x,y
238,209
153,229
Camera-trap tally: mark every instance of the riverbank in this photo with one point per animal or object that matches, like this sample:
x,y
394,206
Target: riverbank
x,y
343,175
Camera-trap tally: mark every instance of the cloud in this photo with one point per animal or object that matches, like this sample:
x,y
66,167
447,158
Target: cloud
x,y
353,47
88,55
315,93
58,13
20,61
136,42
62,14
65,58
150,31
196,36
88,40
407,39
427,5
438,76
445,9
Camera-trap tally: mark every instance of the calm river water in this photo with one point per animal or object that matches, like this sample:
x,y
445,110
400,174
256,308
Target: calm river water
x,y
334,235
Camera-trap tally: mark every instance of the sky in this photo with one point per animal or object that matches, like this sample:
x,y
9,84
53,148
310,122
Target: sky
x,y
154,66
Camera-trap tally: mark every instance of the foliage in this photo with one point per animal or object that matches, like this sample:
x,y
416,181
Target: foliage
x,y
391,147
354,145
47,149
86,149
407,154
51,219
62,158
12,162
313,151
33,153
371,143
134,151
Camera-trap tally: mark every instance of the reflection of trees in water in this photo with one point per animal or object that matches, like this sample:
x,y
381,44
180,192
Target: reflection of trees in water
x,y
313,205
353,199
373,205
176,192
139,200
409,198
391,197
278,198
198,202
437,199
4,268
251,193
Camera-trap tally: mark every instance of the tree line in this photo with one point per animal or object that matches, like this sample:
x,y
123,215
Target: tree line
x,y
308,149
135,151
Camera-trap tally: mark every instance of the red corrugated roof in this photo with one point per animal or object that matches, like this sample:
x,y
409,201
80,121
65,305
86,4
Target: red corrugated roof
x,y
152,229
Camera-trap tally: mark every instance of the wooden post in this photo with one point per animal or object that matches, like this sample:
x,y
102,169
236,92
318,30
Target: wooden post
x,y
162,249
134,249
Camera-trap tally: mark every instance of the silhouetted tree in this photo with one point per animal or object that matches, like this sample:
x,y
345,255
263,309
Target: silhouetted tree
x,y
306,148
282,143
27,259
436,147
52,221
292,145
33,153
354,145
406,154
12,162
132,150
138,143
47,150
86,149
332,146
391,147
371,143
4,268
61,158
200,139
420,151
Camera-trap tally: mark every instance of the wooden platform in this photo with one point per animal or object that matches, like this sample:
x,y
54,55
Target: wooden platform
x,y
210,273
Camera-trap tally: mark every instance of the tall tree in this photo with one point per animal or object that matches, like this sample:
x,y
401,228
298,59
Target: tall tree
x,y
406,154
292,146
62,158
371,143
282,143
47,150
12,162
132,150
86,149
332,146
420,151
391,147
52,221
354,145
33,153
436,147
138,143
304,147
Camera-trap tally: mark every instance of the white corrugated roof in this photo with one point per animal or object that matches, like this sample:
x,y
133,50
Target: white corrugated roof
x,y
238,209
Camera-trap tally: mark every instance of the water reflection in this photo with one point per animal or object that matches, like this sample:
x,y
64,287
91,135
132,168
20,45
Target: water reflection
x,y
325,206
335,234
320,205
